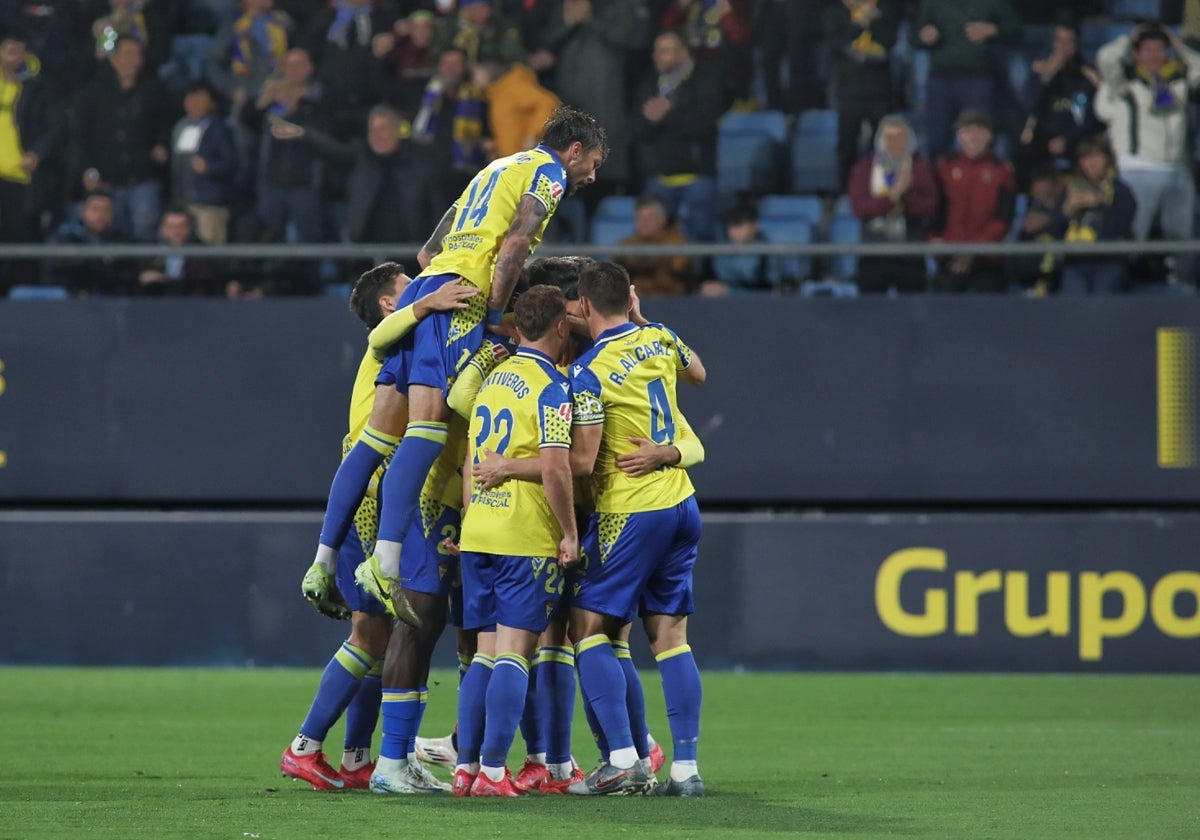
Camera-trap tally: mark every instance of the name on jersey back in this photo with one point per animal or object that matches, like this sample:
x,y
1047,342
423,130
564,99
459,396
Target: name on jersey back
x,y
632,357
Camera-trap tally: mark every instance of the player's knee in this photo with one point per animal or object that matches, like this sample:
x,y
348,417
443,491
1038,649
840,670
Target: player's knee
x,y
369,632
665,632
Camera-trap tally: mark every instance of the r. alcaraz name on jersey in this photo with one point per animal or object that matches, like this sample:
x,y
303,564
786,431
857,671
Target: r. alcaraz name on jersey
x,y
627,383
523,407
486,210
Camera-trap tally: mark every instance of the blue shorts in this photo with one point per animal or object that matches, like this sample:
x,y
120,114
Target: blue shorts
x,y
525,591
425,566
638,563
478,590
349,556
440,346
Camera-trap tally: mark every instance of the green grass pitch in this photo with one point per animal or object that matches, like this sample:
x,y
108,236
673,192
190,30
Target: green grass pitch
x,y
194,754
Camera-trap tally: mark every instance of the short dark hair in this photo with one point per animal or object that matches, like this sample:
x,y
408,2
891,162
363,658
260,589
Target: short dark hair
x,y
649,200
562,272
568,125
741,213
97,193
1096,144
364,298
1150,32
538,310
606,286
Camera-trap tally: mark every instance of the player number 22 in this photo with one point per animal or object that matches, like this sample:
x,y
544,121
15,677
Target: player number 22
x,y
501,424
662,422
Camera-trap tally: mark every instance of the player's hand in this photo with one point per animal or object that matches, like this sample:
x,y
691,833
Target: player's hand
x,y
452,295
635,308
319,588
648,457
450,546
568,552
491,470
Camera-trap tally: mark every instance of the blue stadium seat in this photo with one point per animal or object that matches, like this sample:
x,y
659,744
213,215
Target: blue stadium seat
x,y
818,121
814,164
807,207
1134,9
845,230
339,291
842,206
1094,36
792,268
611,231
773,124
918,79
747,162
616,207
1020,210
32,292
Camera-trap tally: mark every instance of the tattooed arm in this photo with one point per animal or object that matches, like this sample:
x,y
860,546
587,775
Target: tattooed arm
x,y
434,246
514,250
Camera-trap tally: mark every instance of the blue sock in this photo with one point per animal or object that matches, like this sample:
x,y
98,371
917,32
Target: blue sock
x,y
472,705
531,721
556,698
635,699
402,482
683,692
341,680
363,712
603,682
594,725
401,717
350,484
505,701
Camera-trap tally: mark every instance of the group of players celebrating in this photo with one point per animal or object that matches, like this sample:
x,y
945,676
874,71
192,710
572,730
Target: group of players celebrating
x,y
521,428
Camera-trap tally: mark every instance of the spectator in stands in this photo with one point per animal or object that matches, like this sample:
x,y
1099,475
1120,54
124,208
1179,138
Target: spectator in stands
x,y
1043,222
894,195
52,32
339,41
959,35
1058,98
656,275
860,34
591,40
289,174
92,226
1098,207
790,46
517,106
247,51
408,58
449,127
121,133
390,196
979,191
170,274
1143,96
744,273
482,34
203,163
532,18
676,135
717,31
151,24
31,134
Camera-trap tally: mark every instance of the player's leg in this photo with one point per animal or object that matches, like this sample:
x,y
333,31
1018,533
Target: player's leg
x,y
371,632
389,416
342,679
667,602
479,617
533,732
635,696
443,751
556,703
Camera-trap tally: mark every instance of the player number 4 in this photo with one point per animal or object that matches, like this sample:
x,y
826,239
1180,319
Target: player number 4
x,y
662,422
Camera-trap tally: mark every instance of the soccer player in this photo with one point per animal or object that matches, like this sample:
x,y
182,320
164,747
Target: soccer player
x,y
484,239
351,681
523,533
639,554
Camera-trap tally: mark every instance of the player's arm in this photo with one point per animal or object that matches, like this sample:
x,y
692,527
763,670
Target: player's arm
x,y
433,246
585,446
447,297
560,494
514,250
494,469
694,373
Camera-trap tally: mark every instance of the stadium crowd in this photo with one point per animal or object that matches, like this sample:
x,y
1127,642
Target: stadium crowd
x,y
319,121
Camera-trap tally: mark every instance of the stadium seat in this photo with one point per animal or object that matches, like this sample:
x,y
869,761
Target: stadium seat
x,y
842,206
774,124
34,292
750,154
1020,210
1134,9
918,79
340,291
829,288
611,231
814,164
793,268
818,121
807,207
1094,36
616,207
845,230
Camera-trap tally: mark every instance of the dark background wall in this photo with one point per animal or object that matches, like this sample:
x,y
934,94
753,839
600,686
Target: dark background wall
x,y
164,464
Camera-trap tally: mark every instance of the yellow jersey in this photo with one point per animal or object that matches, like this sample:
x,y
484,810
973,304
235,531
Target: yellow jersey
x,y
626,382
486,209
523,407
